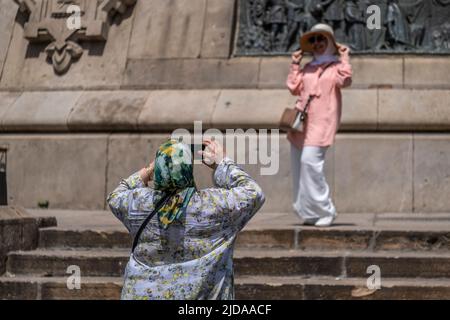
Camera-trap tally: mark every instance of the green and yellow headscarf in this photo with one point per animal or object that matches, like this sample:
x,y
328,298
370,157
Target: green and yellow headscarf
x,y
174,173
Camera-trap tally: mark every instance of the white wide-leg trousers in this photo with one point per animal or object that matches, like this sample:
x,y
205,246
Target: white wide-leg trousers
x,y
312,199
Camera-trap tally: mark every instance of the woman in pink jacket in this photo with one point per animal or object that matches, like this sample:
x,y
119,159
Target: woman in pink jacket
x,y
322,79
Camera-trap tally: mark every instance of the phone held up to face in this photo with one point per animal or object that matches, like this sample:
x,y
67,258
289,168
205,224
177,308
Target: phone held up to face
x,y
195,148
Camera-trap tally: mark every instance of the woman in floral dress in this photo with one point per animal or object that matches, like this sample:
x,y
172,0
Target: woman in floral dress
x,y
185,252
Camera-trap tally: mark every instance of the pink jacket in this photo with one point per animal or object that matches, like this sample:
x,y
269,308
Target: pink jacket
x,y
325,110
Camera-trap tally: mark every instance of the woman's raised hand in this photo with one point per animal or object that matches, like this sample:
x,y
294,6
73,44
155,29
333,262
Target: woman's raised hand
x,y
213,153
151,167
343,50
297,56
147,173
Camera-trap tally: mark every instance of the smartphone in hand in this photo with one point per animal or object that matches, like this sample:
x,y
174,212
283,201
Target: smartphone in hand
x,y
195,148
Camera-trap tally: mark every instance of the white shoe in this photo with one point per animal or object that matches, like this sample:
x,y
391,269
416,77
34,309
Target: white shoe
x,y
310,222
325,222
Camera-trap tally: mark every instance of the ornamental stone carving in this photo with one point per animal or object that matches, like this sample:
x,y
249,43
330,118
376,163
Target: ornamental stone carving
x,y
64,24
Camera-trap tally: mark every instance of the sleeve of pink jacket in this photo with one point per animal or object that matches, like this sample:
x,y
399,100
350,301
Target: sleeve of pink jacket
x,y
344,72
295,80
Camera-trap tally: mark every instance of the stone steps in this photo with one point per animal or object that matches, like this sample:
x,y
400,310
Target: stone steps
x,y
330,288
60,238
275,258
111,263
281,238
44,288
247,288
341,263
53,263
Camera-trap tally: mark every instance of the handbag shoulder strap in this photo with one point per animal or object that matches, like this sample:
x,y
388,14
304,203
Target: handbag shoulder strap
x,y
310,98
158,206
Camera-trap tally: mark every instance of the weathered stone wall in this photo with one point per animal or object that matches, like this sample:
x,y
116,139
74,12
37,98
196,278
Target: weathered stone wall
x,y
169,63
185,44
402,172
7,15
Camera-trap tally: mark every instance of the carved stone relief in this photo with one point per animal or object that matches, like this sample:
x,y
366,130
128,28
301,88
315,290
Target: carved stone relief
x,y
268,27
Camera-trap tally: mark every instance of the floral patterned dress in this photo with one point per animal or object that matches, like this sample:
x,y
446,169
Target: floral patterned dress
x,y
192,258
